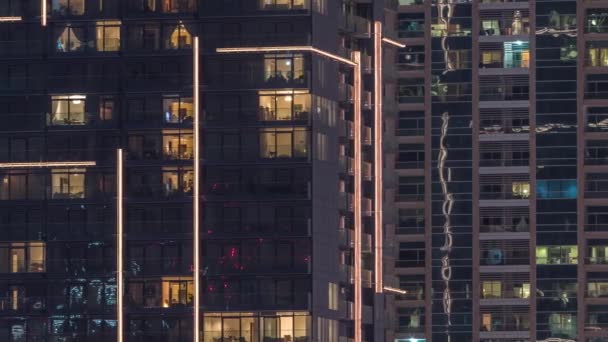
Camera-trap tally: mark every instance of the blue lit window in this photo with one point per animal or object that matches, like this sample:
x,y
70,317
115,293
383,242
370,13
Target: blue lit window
x,y
546,189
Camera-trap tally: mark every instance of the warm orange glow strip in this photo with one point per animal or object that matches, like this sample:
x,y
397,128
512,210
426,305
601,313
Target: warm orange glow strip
x,y
43,14
196,199
394,290
46,164
378,163
393,42
119,246
9,19
358,194
286,49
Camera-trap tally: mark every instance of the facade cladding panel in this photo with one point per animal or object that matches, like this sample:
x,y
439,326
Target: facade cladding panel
x,y
495,171
286,152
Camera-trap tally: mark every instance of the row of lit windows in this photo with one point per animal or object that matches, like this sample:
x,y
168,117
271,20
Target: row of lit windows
x,y
170,182
282,327
105,36
412,254
78,7
70,110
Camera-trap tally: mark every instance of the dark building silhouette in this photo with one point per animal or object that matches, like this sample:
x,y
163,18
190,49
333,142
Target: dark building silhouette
x,y
285,159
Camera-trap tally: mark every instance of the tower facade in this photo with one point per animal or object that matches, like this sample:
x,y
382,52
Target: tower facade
x,y
498,171
188,170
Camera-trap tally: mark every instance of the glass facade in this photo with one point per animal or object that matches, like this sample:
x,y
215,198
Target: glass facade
x,y
499,169
278,219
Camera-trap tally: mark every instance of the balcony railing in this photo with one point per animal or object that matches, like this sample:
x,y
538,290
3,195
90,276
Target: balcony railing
x,y
245,265
507,293
258,300
506,322
277,189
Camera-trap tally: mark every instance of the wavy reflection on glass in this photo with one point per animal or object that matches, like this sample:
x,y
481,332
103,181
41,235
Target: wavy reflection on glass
x,y
445,11
448,203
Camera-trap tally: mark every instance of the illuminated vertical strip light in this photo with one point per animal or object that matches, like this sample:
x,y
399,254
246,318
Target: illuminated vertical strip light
x,y
43,11
196,199
119,245
378,163
356,56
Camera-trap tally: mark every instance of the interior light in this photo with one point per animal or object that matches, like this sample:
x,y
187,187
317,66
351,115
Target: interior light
x,y
77,99
288,62
288,98
593,22
518,42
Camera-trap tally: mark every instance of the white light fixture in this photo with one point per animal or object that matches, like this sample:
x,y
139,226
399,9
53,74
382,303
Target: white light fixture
x,y
394,290
393,42
196,194
46,164
9,19
119,246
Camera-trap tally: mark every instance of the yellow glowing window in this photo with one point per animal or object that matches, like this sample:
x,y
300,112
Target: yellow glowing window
x,y
177,146
521,189
177,37
68,183
107,36
67,110
177,291
556,255
492,289
22,257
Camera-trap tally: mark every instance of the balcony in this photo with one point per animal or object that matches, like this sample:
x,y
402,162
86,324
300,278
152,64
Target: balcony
x,y
367,278
497,289
504,224
523,4
504,88
410,2
367,207
346,274
367,171
257,79
227,299
504,23
596,219
260,189
507,55
493,322
517,190
411,25
259,8
366,243
253,264
21,305
362,27
495,256
345,93
346,164
345,238
596,185
346,200
367,136
231,228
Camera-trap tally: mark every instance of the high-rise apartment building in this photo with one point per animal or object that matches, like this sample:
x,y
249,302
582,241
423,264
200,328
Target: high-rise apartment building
x,y
192,170
500,171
